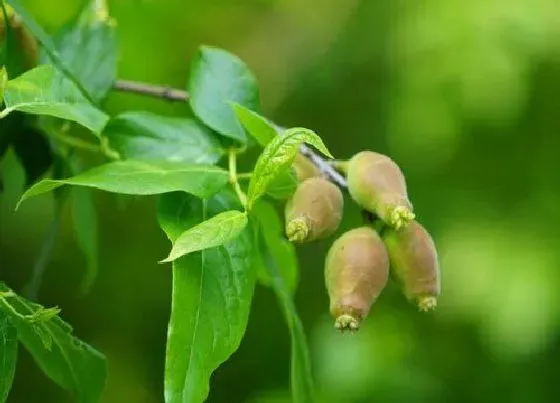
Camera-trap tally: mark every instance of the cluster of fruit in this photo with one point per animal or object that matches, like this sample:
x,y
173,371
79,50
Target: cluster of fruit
x,y
359,262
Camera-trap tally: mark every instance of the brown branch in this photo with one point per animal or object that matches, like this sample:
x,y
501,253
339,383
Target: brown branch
x,y
173,94
158,91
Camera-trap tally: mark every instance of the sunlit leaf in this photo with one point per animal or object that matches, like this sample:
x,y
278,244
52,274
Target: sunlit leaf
x,y
147,136
215,231
218,77
278,157
46,91
142,178
8,354
67,360
257,126
212,292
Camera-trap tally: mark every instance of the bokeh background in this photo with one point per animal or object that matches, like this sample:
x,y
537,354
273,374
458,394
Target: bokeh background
x,y
464,95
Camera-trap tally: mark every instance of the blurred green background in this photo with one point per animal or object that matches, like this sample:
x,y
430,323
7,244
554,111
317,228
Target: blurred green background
x,y
465,96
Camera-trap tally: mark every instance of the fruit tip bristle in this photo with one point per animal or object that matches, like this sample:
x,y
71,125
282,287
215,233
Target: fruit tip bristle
x,y
297,230
427,303
346,322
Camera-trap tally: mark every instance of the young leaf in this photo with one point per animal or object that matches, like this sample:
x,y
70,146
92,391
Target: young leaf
x,y
68,361
300,372
217,77
47,44
94,35
147,136
256,125
271,229
142,178
46,91
277,157
8,354
212,292
216,231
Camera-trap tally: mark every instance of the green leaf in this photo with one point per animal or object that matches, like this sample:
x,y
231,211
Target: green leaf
x,y
212,292
47,43
8,354
46,91
67,360
256,125
275,243
94,35
33,151
277,157
146,136
283,186
216,231
84,220
142,178
216,78
300,371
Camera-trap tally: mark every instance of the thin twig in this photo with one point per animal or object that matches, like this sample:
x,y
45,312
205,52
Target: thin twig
x,y
173,94
158,91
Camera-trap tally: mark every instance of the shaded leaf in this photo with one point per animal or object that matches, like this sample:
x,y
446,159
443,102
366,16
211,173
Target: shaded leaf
x,y
94,35
283,186
84,220
147,136
301,379
8,354
274,242
216,78
256,125
142,178
34,152
212,292
277,157
68,361
9,127
46,91
215,231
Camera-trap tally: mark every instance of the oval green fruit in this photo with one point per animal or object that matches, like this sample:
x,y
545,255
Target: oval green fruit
x,y
356,271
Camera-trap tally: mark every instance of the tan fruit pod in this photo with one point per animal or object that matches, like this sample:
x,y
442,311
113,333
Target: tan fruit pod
x,y
377,183
23,38
414,263
356,271
314,211
304,168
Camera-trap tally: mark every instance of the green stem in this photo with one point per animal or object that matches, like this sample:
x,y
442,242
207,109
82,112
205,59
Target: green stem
x,y
76,142
233,177
245,175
